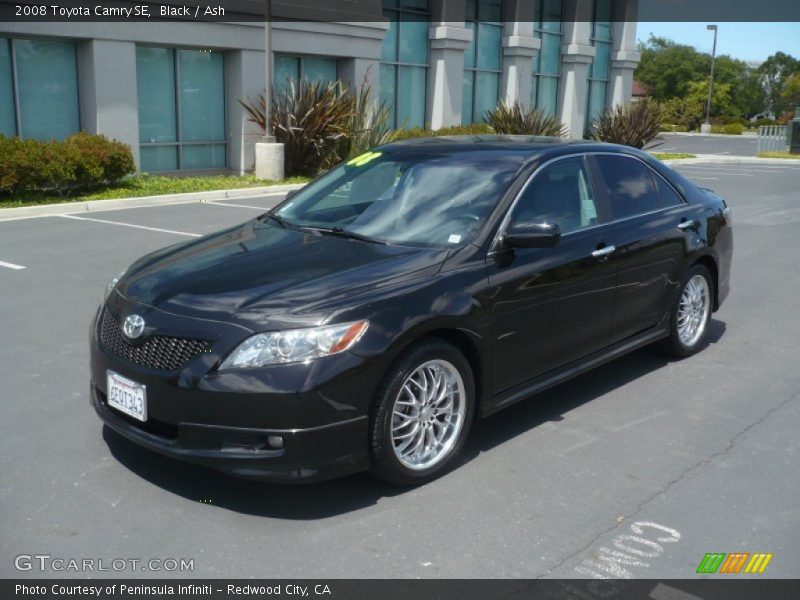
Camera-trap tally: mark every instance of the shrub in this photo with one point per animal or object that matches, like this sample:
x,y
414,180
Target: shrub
x,y
633,124
418,132
763,122
734,128
80,162
367,126
517,120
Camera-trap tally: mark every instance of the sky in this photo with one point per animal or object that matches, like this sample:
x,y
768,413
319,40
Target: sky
x,y
745,41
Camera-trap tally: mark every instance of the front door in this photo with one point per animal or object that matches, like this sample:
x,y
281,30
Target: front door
x,y
552,306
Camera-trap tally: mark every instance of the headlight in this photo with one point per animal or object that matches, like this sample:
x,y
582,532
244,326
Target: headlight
x,y
294,345
112,284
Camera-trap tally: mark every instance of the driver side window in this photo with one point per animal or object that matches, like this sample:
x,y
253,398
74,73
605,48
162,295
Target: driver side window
x,y
561,193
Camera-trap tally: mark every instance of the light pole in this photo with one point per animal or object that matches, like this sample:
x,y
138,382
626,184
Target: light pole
x,y
706,127
268,137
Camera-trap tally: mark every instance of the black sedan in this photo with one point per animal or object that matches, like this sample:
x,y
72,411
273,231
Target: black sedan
x,y
365,322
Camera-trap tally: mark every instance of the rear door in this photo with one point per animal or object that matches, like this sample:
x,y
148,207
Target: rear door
x,y
551,306
649,220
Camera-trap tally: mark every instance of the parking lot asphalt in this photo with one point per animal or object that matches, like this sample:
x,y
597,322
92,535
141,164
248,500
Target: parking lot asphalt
x,y
742,145
653,460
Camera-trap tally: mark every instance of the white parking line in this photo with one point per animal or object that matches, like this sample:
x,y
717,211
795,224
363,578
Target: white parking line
x,y
11,265
130,225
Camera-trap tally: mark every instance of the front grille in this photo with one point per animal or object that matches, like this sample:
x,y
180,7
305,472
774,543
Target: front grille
x,y
160,352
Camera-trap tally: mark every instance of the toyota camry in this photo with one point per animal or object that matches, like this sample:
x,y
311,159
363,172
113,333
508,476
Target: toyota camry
x,y
371,317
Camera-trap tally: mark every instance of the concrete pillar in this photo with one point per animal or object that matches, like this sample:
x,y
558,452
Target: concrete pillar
x,y
107,84
519,51
244,78
577,53
624,57
448,39
355,71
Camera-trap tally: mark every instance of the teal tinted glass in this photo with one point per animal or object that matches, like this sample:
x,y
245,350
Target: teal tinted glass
x,y
489,46
550,16
466,97
47,83
155,83
287,70
387,88
414,4
204,156
550,54
486,86
322,70
471,9
601,62
202,96
389,44
158,158
413,41
602,18
411,99
469,53
597,99
548,94
490,10
8,119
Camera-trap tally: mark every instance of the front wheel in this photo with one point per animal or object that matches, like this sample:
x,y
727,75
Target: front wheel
x,y
691,314
422,414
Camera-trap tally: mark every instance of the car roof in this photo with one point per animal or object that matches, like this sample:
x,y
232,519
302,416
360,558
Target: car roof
x,y
511,145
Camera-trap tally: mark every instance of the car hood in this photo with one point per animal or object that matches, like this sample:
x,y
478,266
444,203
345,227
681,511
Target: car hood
x,y
263,276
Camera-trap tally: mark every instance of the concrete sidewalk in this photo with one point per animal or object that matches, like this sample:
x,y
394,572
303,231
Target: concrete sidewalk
x,y
42,210
731,160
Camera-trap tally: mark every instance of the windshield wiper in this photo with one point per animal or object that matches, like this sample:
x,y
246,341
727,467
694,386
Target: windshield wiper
x,y
341,231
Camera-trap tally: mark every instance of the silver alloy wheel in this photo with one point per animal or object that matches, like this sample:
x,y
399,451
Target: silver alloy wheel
x,y
693,311
428,414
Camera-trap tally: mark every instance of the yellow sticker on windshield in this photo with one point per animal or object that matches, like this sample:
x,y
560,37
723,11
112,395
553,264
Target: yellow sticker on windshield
x,y
363,159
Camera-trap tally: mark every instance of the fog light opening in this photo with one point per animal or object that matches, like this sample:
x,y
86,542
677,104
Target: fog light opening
x,y
275,441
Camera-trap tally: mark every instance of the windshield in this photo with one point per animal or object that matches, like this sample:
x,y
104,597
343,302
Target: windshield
x,y
405,199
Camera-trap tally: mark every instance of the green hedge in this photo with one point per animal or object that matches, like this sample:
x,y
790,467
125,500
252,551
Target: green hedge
x,y
418,132
81,162
730,128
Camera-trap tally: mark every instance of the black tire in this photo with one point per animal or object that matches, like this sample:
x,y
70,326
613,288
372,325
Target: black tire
x,y
673,345
385,464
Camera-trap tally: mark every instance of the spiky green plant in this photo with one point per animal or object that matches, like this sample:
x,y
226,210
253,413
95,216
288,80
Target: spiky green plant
x,y
514,119
310,119
634,124
367,127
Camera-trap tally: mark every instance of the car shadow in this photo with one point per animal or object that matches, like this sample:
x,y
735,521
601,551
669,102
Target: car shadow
x,y
355,492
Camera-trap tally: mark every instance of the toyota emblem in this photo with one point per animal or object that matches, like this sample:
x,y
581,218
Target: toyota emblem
x,y
133,326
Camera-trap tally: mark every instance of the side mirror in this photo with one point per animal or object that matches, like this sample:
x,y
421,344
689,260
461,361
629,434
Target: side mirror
x,y
532,235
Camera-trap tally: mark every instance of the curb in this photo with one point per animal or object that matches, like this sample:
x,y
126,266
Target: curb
x,y
44,210
719,135
732,160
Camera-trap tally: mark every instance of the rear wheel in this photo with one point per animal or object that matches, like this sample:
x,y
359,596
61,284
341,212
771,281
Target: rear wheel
x,y
422,414
691,314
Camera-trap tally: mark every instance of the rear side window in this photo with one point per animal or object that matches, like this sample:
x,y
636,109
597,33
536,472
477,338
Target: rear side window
x,y
666,195
628,184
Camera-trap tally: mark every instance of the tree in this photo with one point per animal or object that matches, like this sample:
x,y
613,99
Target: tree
x,y
775,72
790,96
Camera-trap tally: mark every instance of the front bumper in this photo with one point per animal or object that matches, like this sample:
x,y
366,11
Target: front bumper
x,y
225,420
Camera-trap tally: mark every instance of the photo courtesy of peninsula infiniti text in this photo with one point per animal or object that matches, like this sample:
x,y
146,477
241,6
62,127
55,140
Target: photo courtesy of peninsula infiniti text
x,y
368,320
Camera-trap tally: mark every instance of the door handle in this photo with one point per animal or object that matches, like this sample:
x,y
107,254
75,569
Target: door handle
x,y
684,225
604,251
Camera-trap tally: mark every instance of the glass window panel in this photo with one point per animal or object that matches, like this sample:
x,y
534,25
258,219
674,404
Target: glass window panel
x,y
469,53
204,156
8,123
551,14
471,9
548,94
601,61
602,12
597,99
155,79
202,94
159,158
387,89
550,54
319,69
534,90
489,46
390,3
666,195
414,4
602,31
287,68
413,41
411,97
48,88
486,86
389,45
629,185
466,97
490,10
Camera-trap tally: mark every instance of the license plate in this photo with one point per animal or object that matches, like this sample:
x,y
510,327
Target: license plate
x,y
126,396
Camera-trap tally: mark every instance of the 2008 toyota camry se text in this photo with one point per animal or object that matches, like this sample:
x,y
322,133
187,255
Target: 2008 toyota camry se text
x,y
371,317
